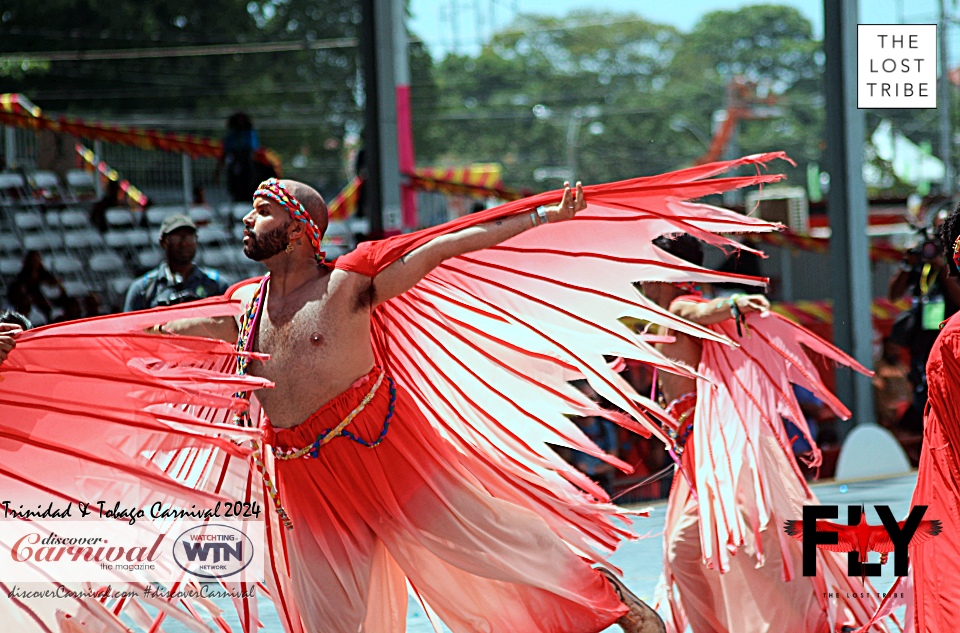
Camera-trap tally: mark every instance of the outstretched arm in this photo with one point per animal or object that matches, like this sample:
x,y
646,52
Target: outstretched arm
x,y
223,328
404,273
719,310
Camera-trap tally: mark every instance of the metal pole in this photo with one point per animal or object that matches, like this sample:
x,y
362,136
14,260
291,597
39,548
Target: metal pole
x,y
944,105
97,159
380,132
186,166
847,206
10,146
573,133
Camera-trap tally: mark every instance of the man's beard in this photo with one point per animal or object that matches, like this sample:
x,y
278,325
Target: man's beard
x,y
267,245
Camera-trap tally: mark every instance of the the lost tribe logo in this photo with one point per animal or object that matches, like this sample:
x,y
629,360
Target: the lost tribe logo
x,y
858,538
213,551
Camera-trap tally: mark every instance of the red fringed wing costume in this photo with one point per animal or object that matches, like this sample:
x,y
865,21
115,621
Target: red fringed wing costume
x,y
482,345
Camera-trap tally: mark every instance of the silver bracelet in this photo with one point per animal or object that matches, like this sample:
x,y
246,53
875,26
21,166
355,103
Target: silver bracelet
x,y
533,218
542,214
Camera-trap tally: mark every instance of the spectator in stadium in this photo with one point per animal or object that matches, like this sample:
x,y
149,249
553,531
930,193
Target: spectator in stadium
x,y
893,391
110,199
935,297
92,305
239,146
20,301
177,279
72,310
34,278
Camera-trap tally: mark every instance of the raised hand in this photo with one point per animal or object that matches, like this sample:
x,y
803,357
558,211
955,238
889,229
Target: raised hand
x,y
752,303
8,332
570,204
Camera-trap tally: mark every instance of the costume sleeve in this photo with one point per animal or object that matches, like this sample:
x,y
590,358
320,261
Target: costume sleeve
x,y
945,387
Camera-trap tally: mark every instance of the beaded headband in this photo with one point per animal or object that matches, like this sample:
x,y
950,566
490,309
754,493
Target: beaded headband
x,y
956,252
275,190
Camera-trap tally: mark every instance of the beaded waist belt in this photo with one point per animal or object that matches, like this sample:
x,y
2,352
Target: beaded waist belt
x,y
313,449
681,409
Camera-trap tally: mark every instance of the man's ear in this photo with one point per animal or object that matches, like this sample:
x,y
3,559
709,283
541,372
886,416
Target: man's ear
x,y
298,231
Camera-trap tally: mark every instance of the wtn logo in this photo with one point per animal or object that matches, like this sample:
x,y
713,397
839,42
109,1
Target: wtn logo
x,y
213,551
858,539
221,551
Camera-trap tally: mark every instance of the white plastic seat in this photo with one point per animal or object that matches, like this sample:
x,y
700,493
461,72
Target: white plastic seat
x,y
239,210
74,218
82,239
81,183
212,234
218,257
201,215
76,288
66,264
130,238
106,263
42,241
10,266
118,218
155,215
149,258
120,284
9,243
47,185
28,221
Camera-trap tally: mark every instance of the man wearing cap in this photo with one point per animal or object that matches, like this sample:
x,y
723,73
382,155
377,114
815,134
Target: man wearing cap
x,y
176,280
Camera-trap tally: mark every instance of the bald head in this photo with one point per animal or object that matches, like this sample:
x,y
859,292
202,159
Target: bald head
x,y
311,201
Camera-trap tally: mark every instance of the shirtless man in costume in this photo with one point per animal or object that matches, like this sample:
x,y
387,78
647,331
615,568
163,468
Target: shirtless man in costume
x,y
481,563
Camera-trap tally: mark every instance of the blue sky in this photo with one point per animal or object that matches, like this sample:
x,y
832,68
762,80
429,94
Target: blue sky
x,y
442,24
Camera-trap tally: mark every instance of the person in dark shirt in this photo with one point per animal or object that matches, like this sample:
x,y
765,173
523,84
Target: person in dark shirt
x,y
935,297
178,279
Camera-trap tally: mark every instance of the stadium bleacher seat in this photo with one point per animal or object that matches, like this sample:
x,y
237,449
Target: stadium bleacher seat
x,y
65,265
149,258
201,215
119,218
106,263
10,266
46,188
81,184
13,190
213,235
83,239
155,215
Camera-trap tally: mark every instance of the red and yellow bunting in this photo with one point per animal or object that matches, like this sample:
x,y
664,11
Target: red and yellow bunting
x,y
481,180
135,197
346,202
18,111
814,313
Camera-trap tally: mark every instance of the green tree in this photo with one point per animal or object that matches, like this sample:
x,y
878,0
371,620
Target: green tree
x,y
769,46
523,99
